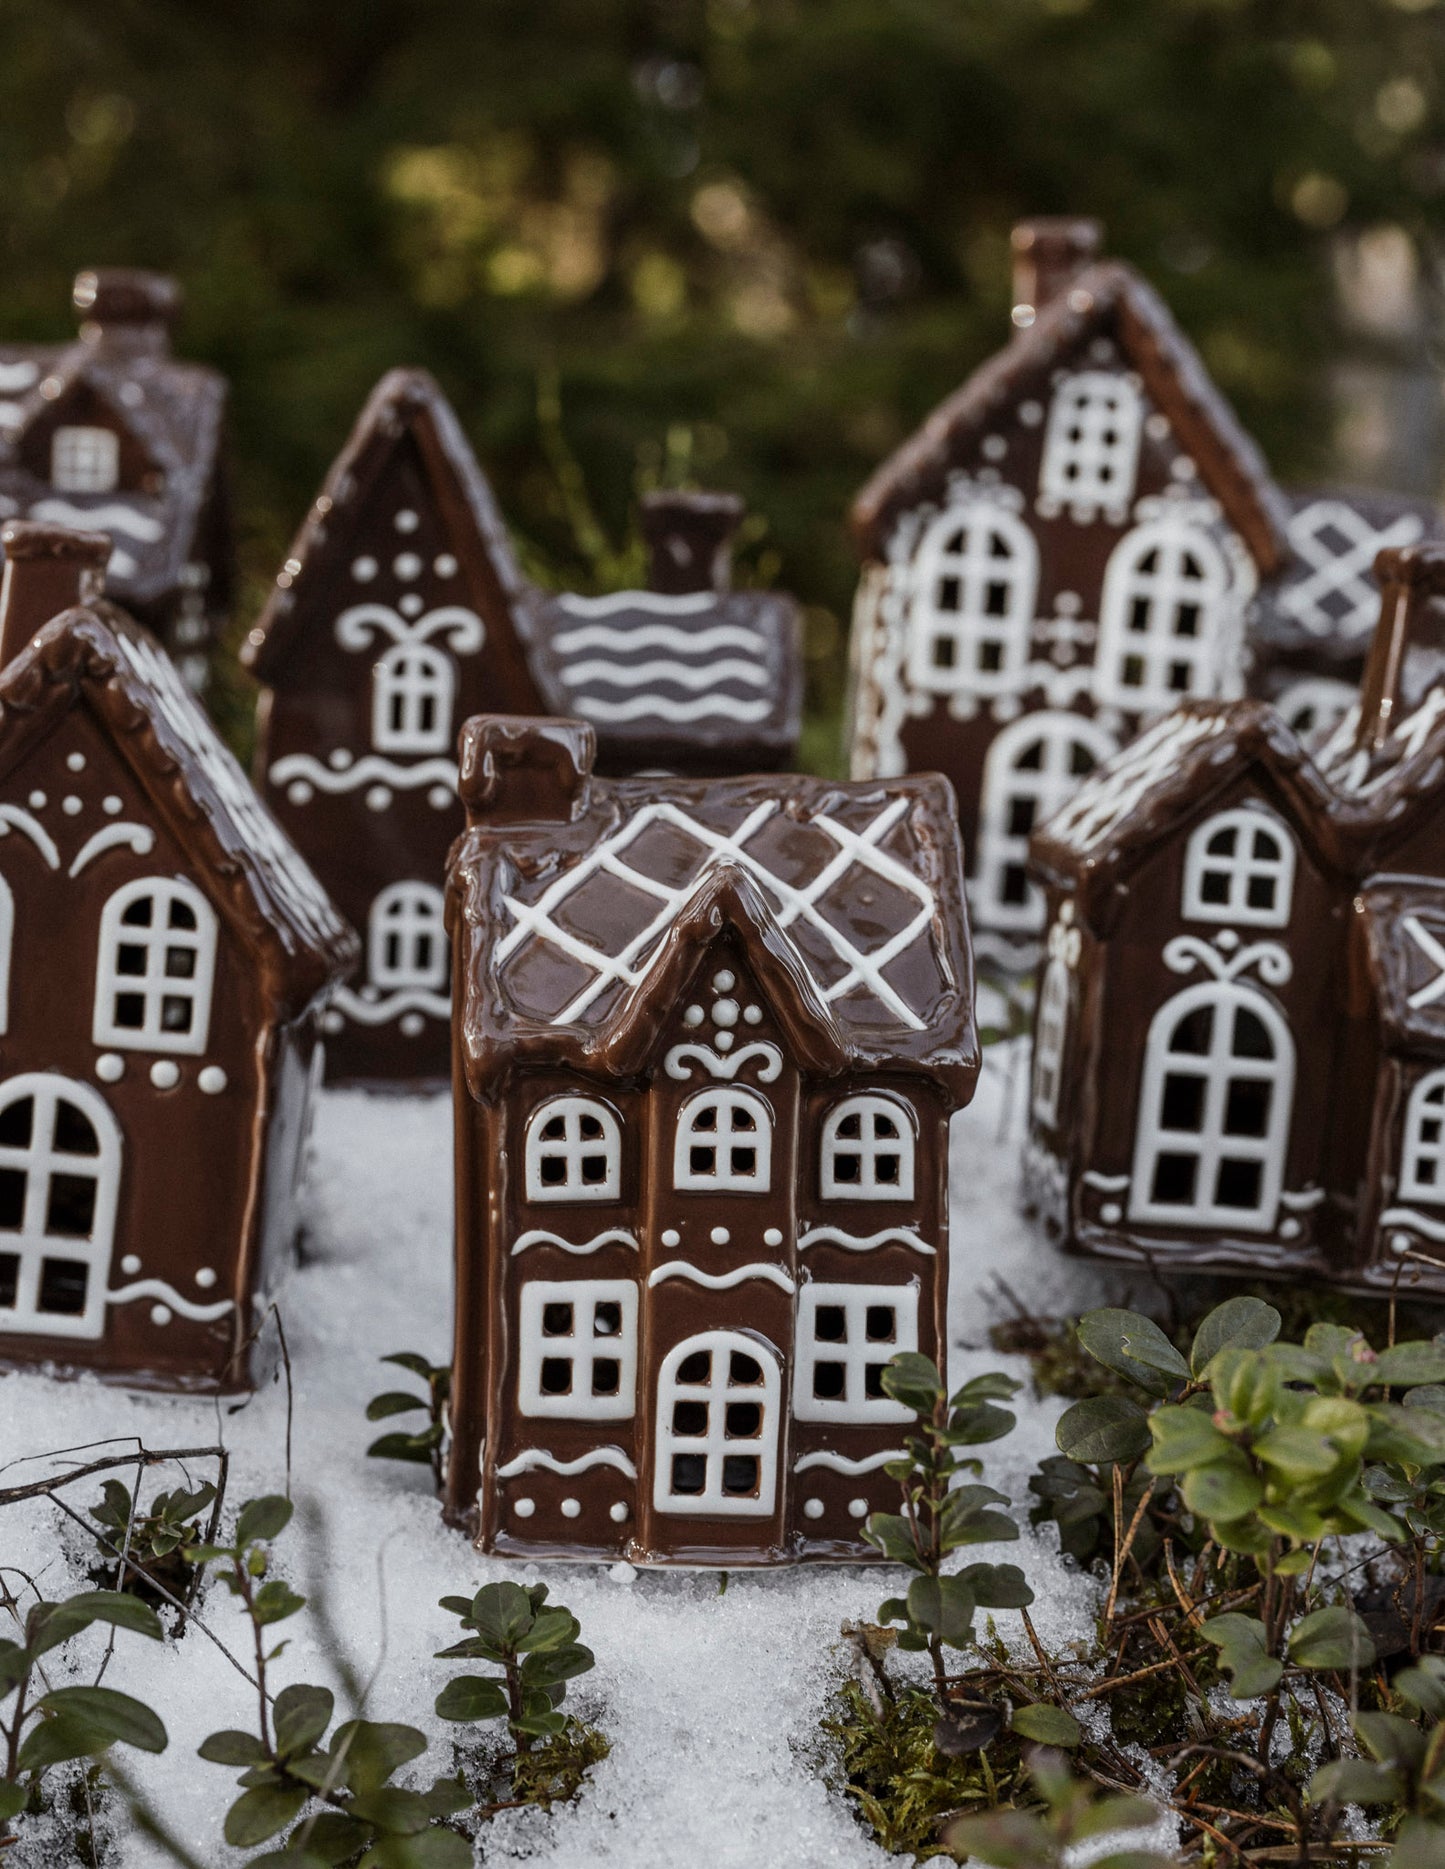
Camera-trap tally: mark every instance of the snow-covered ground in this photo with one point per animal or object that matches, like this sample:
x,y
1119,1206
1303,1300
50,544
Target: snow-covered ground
x,y
711,1698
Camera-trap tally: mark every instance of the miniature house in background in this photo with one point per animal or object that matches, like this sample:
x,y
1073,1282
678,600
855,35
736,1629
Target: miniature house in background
x,y
164,953
114,434
709,1040
1210,891
401,611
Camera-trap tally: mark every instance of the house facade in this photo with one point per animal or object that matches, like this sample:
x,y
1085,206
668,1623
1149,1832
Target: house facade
x,y
164,957
1236,1057
711,1039
114,434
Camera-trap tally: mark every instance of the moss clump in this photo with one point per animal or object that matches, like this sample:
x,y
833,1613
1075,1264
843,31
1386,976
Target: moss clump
x,y
556,1768
903,1785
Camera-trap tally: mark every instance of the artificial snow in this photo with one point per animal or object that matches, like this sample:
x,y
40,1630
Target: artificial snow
x,y
710,1690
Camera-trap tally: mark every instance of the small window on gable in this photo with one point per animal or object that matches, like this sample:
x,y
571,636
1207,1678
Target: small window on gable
x,y
155,967
574,1151
1091,445
412,698
1239,867
847,1335
724,1143
406,938
84,460
868,1150
577,1351
1422,1159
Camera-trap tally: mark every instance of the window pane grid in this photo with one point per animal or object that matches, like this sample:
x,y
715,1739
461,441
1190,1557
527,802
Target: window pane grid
x,y
59,1167
577,1355
1422,1173
1050,1031
724,1143
574,1151
406,945
975,579
1033,770
868,1151
84,460
847,1334
1163,593
155,968
1239,868
413,688
1091,446
717,1428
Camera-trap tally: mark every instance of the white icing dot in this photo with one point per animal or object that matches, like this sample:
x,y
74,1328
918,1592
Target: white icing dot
x,y
364,569
618,1512
812,1508
406,565
1031,414
773,1236
671,1237
406,520
130,1265
720,1236
110,804
110,1067
71,805
439,798
1068,604
725,1012
160,1314
724,1041
723,982
994,447
752,1015
75,761
1111,1213
693,1016
410,605
338,759
571,1509
378,797
1289,1228
205,1278
212,1080
1156,427
164,1074
299,792
444,565
524,1508
37,801
858,1508
1181,467
412,1023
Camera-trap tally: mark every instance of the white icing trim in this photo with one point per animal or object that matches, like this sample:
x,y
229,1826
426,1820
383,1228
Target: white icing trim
x,y
1239,868
1302,1202
406,940
716,1065
1111,1184
712,1157
535,1457
112,518
686,675
653,635
1334,573
840,1463
33,829
362,772
659,707
957,576
855,1242
721,1281
656,603
1051,1029
539,1236
158,1288
1081,468
1135,668
461,628
1012,791
1433,951
137,837
413,698
382,1011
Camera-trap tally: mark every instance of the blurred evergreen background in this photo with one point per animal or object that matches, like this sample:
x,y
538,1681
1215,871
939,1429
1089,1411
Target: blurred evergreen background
x,y
744,243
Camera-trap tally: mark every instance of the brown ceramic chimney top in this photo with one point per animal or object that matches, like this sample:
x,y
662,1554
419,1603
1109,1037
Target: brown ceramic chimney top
x,y
1407,653
689,540
47,569
123,304
1049,253
516,769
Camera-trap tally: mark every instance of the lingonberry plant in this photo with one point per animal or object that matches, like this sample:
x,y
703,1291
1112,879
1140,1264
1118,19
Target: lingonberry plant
x,y
422,1445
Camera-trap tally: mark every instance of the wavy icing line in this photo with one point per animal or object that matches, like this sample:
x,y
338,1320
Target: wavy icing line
x,y
539,1236
658,707
638,674
33,829
657,603
840,1463
139,837
657,636
1407,1217
113,518
721,1281
539,1457
856,1242
158,1288
371,766
380,1011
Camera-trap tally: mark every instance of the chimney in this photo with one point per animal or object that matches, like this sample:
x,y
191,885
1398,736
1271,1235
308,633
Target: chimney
x,y
1407,653
516,769
124,306
690,541
47,569
1049,254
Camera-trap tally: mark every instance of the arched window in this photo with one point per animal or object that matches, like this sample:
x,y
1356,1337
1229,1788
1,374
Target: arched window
x,y
1091,444
724,1143
59,1178
974,581
155,967
412,691
1033,768
1214,1111
574,1151
7,942
577,1351
84,460
1239,867
1051,1030
1315,706
406,942
717,1427
1422,1158
847,1335
1164,597
868,1150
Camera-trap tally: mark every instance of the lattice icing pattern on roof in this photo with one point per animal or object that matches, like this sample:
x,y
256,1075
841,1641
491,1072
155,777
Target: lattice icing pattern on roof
x,y
1119,788
1335,545
840,884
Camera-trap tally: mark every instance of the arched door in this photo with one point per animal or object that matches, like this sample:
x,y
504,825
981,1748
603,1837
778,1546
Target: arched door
x,y
719,1414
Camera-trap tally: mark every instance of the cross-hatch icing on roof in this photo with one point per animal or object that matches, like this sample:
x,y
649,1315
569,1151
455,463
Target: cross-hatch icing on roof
x,y
1102,801
850,907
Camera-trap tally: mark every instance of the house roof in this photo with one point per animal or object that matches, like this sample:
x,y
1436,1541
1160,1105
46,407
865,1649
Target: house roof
x,y
98,657
1108,295
576,913
1122,810
175,411
673,674
1403,921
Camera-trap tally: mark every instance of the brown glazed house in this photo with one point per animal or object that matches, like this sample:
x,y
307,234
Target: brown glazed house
x,y
402,611
710,1037
164,955
1239,1053
114,434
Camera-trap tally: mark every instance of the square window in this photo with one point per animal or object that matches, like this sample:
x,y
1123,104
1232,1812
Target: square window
x,y
70,1210
606,1375
740,1475
702,1161
689,1419
1238,1185
744,1420
743,1371
63,1284
847,1168
689,1473
881,1323
180,963
990,657
1021,816
606,1319
13,1182
176,1013
556,1375
697,1367
130,960
830,1323
1260,893
9,1280
1246,1109
130,1011
1174,1178
577,1349
1214,888
873,1381
557,1320
945,651
829,1381
1182,1105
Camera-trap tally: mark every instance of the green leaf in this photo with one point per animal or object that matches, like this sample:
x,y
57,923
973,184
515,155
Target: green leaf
x,y
472,1697
1006,1839
418,1365
15,1664
1237,1324
944,1607
448,1796
259,1814
1423,1685
373,1749
392,1809
1331,1638
301,1715
1244,1655
263,1519
231,1747
978,1424
414,1447
393,1402
992,1386
118,1716
54,1741
1050,1726
913,1380
429,1849
1224,1491
891,1535
551,1628
502,1612
1134,1346
1356,1781
1410,1365
997,1586
1118,1813
50,1624
1297,1452
558,1664
1246,1384
1103,1430
1394,1741
1185,1438
13,1799
275,1601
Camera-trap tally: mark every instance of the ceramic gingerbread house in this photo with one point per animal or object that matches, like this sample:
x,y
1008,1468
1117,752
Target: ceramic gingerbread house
x,y
401,611
114,434
1239,1053
709,1039
164,955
